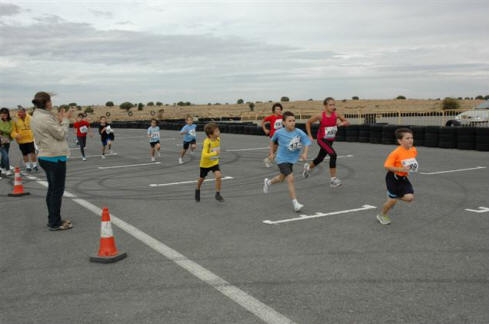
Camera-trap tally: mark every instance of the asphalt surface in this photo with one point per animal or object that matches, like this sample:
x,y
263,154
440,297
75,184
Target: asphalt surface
x,y
431,265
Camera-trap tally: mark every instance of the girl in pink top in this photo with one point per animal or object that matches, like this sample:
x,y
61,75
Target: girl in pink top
x,y
329,122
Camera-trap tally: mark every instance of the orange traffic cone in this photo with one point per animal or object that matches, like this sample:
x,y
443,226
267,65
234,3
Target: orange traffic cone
x,y
108,252
18,187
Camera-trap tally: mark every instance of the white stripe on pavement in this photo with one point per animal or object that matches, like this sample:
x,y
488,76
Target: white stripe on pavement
x,y
457,170
184,182
317,215
127,165
250,303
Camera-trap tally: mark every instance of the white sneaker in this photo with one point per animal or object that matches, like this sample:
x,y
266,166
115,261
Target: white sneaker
x,y
180,161
298,207
335,183
153,159
307,170
268,163
84,158
266,186
109,152
8,173
103,156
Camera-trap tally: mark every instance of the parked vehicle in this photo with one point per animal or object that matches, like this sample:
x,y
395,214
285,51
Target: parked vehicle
x,y
478,117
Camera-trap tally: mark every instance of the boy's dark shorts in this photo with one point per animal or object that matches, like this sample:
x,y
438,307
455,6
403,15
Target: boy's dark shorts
x,y
154,143
286,168
205,171
187,144
27,148
397,186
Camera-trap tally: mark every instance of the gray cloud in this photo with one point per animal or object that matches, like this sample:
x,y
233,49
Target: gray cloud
x,y
8,9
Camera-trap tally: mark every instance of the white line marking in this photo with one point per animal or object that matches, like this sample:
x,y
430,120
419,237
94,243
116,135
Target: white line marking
x,y
127,165
44,183
89,156
457,170
317,215
250,303
480,210
184,182
248,149
339,157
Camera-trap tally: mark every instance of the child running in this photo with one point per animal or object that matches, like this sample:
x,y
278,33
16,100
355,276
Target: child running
x,y
401,161
325,138
289,141
189,137
80,129
106,136
275,121
209,160
154,138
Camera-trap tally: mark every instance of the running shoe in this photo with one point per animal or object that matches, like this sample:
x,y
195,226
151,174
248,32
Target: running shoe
x,y
383,219
28,169
8,173
153,159
268,163
335,183
180,161
307,170
298,207
103,156
84,158
219,197
266,186
197,195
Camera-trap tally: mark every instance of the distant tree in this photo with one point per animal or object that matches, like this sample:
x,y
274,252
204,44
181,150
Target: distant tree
x,y
355,98
218,104
467,98
180,103
258,102
209,104
401,98
88,110
109,104
344,100
459,98
486,97
284,99
479,97
450,103
72,104
150,104
252,106
126,105
188,103
158,103
240,101
310,99
269,101
140,106
79,107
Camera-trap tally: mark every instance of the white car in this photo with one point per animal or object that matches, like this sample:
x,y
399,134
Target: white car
x,y
476,117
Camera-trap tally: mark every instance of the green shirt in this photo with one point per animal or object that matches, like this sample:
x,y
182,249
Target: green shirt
x,y
6,128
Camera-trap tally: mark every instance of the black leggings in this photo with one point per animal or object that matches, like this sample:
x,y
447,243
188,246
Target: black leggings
x,y
326,148
82,140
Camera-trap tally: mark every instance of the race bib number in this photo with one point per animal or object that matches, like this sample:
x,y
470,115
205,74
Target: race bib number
x,y
192,132
412,164
295,144
215,149
278,124
155,135
83,129
330,132
108,130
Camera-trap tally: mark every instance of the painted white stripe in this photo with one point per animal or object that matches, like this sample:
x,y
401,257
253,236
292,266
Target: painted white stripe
x,y
457,170
338,157
250,303
44,183
106,230
317,215
90,156
248,149
480,210
184,182
127,165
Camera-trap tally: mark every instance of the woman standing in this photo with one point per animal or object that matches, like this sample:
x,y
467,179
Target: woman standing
x,y
50,130
6,127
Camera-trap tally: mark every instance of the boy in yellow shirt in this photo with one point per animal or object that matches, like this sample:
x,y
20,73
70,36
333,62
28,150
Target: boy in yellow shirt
x,y
25,138
399,163
209,160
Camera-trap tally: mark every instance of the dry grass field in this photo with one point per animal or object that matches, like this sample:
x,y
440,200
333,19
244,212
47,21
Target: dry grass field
x,y
302,108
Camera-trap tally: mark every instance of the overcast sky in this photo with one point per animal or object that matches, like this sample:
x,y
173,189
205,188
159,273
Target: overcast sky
x,y
218,51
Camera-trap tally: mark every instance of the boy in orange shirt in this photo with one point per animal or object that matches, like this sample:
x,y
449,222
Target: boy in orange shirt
x,y
399,163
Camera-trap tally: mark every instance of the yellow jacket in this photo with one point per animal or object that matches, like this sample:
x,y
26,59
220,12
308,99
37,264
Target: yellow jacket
x,y
210,156
23,128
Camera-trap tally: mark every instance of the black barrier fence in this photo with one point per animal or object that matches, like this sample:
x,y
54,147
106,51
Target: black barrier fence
x,y
463,138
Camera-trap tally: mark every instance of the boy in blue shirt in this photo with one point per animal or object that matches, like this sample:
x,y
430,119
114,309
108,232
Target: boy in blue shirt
x,y
288,143
154,138
189,133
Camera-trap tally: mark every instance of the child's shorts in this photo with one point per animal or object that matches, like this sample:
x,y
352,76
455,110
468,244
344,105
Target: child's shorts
x,y
205,171
154,143
286,168
397,186
187,144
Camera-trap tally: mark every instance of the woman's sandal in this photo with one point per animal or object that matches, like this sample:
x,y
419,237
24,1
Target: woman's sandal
x,y
65,225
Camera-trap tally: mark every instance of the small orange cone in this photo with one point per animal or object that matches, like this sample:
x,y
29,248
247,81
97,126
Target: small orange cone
x,y
107,252
18,187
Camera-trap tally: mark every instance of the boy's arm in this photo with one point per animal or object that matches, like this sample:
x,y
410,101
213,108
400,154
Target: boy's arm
x,y
265,130
206,152
389,164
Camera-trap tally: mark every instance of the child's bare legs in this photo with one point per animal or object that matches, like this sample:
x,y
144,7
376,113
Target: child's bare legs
x,y
290,183
391,202
332,172
193,147
182,153
199,183
152,151
218,176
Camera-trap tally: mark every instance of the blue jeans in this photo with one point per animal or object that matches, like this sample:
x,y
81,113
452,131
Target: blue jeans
x,y
4,162
56,176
